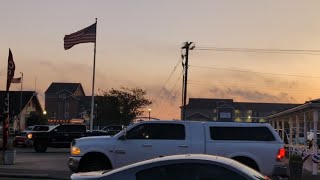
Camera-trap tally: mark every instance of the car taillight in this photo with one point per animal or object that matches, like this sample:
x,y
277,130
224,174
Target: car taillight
x,y
281,154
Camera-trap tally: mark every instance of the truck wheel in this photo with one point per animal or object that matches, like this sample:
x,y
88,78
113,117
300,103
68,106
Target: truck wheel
x,y
94,162
39,147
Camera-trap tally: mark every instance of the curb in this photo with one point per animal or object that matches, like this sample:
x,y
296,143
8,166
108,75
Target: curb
x,y
33,176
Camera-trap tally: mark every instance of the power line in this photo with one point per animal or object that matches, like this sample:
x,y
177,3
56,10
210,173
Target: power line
x,y
255,72
173,87
174,69
170,76
253,50
167,80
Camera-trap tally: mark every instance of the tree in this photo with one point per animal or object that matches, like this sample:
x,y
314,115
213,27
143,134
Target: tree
x,y
121,106
36,118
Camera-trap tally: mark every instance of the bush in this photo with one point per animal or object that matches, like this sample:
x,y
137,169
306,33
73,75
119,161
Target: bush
x,y
295,157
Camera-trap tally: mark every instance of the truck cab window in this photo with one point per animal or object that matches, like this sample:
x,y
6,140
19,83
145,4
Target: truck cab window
x,y
158,131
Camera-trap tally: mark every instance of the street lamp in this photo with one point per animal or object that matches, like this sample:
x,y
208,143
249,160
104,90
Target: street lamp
x,y
149,113
44,112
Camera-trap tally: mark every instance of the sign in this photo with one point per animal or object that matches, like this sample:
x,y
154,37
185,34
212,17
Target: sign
x,y
225,115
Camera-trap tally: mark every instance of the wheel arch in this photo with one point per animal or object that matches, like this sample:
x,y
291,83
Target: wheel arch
x,y
247,160
99,155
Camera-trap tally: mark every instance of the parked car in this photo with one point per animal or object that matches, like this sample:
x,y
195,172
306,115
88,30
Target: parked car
x,y
22,139
186,167
113,129
255,144
60,136
38,128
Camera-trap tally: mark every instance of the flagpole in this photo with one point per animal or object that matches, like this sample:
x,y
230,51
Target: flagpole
x,y
93,78
21,83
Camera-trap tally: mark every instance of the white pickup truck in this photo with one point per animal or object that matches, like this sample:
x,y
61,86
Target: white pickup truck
x,y
254,144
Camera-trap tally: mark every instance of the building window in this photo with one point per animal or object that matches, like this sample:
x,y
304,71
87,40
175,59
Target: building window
x,y
62,96
66,115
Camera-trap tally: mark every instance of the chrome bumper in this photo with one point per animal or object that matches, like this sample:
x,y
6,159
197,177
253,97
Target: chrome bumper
x,y
281,171
73,163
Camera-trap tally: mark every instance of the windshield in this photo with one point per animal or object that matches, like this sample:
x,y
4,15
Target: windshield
x,y
41,128
29,128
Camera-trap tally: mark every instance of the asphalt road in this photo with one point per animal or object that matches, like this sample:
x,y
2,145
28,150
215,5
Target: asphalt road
x,y
53,163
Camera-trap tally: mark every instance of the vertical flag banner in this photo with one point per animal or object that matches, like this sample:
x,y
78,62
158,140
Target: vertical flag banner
x,y
11,69
85,35
5,125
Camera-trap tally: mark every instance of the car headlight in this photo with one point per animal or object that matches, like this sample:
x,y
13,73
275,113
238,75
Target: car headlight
x,y
75,150
30,136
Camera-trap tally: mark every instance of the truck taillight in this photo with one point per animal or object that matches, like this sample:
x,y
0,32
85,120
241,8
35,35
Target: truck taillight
x,y
281,154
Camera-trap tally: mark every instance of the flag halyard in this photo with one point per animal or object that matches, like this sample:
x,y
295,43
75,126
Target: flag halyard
x,y
85,35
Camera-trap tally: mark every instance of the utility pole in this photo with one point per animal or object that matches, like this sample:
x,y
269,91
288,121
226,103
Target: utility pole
x,y
187,46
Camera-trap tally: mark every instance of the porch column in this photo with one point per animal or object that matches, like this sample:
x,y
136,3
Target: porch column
x,y
282,127
278,124
290,130
272,123
305,130
315,145
297,130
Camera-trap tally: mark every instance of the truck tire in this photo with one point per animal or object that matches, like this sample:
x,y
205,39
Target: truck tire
x,y
247,161
94,162
39,147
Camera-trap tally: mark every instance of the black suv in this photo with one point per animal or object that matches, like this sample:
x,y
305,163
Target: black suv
x,y
60,136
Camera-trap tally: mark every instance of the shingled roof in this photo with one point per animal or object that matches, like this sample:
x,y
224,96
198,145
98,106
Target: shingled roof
x,y
213,103
56,87
15,100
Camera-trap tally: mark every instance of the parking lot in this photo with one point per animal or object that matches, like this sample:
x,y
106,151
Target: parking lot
x,y
52,164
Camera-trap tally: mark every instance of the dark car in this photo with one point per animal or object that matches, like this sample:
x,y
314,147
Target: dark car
x,y
60,136
22,138
113,129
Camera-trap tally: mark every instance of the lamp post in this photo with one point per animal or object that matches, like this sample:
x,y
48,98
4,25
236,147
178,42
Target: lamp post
x,y
149,113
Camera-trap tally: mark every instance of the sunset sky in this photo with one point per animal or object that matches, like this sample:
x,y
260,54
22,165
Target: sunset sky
x,y
139,41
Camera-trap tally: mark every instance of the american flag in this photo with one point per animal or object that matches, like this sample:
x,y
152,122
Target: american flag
x,y
85,35
16,80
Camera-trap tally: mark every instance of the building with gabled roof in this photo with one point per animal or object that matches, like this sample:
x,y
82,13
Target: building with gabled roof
x,y
204,109
29,103
62,100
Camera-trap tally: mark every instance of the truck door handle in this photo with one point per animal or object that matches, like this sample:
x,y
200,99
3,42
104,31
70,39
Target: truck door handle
x,y
120,151
183,146
146,145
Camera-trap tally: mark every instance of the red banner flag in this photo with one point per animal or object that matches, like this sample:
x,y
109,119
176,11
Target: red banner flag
x,y
11,69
